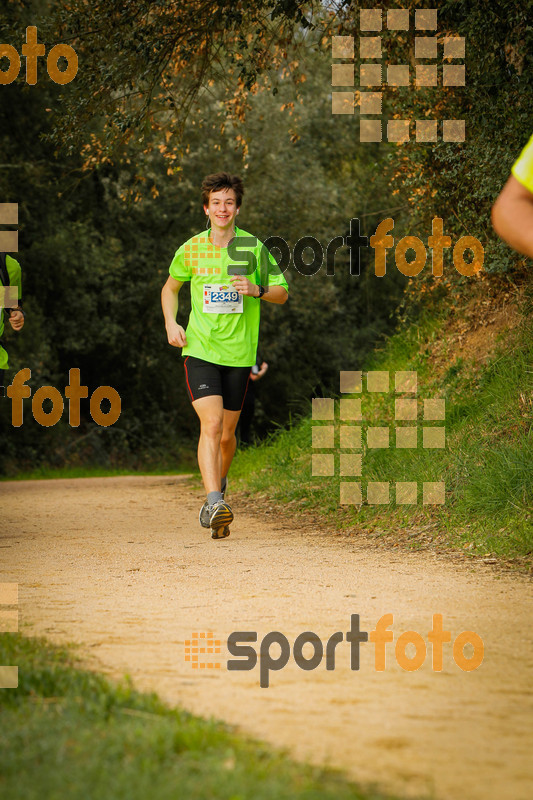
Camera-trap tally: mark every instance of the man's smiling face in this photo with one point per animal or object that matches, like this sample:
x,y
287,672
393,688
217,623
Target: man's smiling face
x,y
222,208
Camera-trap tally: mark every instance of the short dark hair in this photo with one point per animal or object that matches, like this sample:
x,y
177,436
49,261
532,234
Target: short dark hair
x,y
222,180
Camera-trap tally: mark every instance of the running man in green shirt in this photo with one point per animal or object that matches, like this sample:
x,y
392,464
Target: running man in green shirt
x,y
230,273
10,276
512,213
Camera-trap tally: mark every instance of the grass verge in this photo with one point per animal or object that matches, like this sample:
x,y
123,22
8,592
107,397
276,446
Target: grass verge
x,y
50,473
68,733
487,464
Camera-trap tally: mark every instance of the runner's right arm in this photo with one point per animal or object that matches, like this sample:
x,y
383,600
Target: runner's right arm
x,y
512,216
169,304
512,213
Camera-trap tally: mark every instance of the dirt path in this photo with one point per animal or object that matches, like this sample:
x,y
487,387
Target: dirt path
x,y
121,566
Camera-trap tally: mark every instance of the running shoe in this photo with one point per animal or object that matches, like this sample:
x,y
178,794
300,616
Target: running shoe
x,y
205,511
205,515
221,516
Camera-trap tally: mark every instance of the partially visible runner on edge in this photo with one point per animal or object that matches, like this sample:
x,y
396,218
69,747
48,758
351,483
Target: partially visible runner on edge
x,y
10,276
231,273
512,213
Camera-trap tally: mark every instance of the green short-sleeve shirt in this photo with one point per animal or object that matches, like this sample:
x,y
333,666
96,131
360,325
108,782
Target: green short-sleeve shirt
x,y
226,339
523,167
15,279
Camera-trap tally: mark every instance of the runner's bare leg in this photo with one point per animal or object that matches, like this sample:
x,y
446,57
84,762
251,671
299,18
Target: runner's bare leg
x,y
211,413
228,441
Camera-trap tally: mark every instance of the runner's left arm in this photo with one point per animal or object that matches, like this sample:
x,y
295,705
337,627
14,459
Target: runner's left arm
x,y
273,294
276,294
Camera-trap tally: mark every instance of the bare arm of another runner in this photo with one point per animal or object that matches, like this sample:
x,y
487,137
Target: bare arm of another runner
x,y
169,304
512,216
273,294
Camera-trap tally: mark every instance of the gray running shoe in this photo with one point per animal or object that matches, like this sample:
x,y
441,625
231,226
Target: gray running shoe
x,y
205,515
205,511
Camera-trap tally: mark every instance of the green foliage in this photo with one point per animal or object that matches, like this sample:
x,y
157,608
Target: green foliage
x,y
487,464
143,65
95,251
459,182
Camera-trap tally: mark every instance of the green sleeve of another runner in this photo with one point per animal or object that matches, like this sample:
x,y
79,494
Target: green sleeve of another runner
x,y
15,279
523,166
15,273
181,267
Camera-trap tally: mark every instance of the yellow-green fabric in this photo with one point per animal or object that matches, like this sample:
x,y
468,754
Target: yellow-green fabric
x,y
523,167
15,279
225,339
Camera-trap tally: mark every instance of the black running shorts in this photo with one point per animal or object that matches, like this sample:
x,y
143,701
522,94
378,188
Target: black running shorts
x,y
204,379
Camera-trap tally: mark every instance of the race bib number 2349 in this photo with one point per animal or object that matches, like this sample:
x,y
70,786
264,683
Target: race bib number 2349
x,y
222,300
